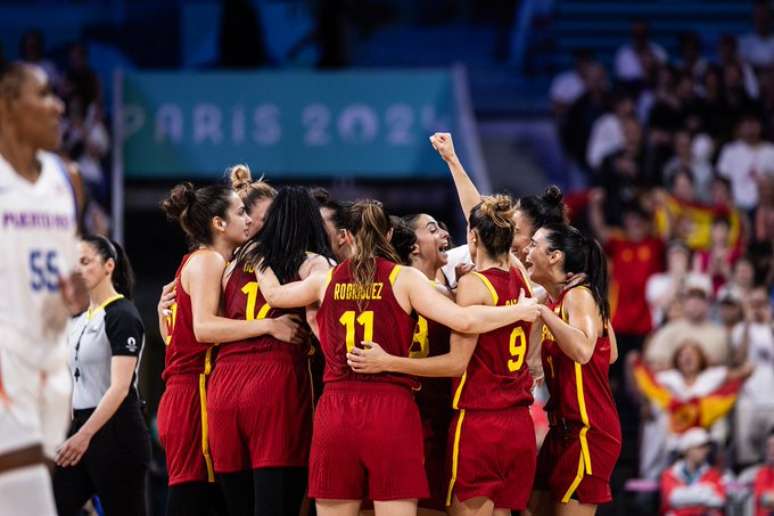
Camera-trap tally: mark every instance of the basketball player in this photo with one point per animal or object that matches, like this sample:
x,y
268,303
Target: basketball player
x,y
367,438
37,254
492,439
215,222
260,396
584,439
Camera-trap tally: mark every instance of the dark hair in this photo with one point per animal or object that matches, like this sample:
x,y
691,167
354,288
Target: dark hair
x,y
293,227
194,209
582,255
547,208
492,219
123,274
404,238
369,225
339,208
248,190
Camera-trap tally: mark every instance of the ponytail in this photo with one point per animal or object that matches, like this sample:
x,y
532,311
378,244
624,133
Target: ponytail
x,y
123,274
370,227
582,255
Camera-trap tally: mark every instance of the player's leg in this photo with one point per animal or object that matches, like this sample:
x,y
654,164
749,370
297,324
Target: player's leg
x,y
396,508
338,507
539,503
574,508
477,506
195,499
238,491
279,491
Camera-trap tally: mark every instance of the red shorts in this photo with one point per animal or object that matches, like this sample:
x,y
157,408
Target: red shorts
x,y
179,420
260,412
367,443
493,454
563,466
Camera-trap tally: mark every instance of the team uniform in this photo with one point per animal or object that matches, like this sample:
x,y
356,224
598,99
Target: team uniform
x,y
260,395
367,440
182,412
584,438
491,437
434,401
37,248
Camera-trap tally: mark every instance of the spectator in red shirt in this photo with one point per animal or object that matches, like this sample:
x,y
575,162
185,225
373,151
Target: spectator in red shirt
x,y
718,261
692,486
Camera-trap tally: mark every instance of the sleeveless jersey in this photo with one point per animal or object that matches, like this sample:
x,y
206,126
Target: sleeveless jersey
x,y
185,355
497,376
243,300
580,395
351,313
37,248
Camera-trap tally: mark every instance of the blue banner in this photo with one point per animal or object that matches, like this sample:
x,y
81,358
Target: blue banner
x,y
367,124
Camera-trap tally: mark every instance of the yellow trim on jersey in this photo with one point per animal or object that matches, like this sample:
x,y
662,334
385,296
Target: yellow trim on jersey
x,y
458,392
576,482
394,274
455,456
203,408
328,277
489,286
584,417
90,313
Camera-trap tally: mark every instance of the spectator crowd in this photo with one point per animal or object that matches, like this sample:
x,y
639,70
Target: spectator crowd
x,y
676,162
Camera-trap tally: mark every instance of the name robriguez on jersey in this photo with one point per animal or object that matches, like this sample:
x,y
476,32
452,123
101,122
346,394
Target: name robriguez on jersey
x,y
352,313
37,248
243,300
497,376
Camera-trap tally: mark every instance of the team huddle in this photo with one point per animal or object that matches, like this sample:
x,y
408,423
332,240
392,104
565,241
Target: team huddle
x,y
430,355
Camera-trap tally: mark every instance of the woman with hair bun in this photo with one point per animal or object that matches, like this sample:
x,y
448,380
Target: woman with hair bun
x,y
584,439
108,446
216,223
367,435
256,195
491,436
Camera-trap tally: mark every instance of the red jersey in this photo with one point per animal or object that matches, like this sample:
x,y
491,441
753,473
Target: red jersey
x,y
432,339
763,486
580,395
632,263
185,354
350,313
243,300
497,376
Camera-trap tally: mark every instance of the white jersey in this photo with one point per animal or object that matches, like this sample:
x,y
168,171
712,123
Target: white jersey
x,y
37,248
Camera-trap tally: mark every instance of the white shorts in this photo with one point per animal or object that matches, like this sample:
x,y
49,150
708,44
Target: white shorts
x,y
34,404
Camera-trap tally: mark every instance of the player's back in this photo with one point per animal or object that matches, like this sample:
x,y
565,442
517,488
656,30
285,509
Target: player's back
x,y
497,376
37,248
351,313
243,300
185,354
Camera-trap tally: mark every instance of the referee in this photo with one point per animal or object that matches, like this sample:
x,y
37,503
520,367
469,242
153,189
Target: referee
x,y
108,446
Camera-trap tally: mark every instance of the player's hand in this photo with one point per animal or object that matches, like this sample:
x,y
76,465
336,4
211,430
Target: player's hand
x,y
167,299
461,269
289,328
443,144
529,309
370,359
74,293
72,450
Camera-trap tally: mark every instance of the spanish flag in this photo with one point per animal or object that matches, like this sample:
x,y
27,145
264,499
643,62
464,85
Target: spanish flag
x,y
692,222
702,411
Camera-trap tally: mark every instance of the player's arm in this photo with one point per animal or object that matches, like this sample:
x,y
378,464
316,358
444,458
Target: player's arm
x,y
466,190
469,319
534,360
311,265
373,359
163,309
204,271
291,295
613,343
577,338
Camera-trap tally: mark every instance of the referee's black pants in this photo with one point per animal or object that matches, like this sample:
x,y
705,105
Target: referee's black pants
x,y
114,466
